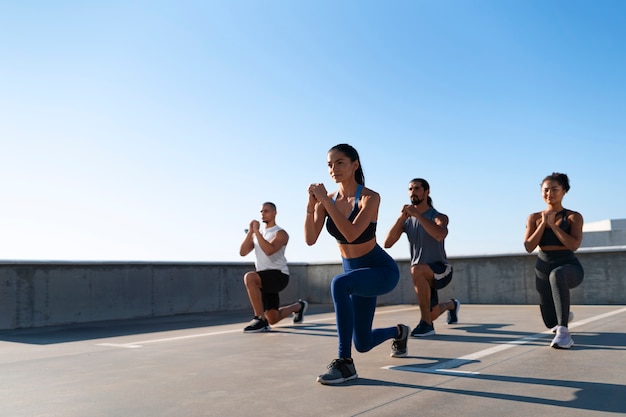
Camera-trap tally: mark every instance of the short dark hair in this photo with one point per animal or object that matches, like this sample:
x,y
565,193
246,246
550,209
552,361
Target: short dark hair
x,y
269,203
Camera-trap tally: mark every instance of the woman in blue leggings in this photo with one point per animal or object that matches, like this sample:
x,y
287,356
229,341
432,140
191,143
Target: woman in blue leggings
x,y
558,232
350,215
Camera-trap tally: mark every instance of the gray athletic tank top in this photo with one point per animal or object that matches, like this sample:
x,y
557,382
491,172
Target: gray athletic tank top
x,y
424,248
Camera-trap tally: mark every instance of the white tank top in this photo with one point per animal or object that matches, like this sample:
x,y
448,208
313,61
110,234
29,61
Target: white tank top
x,y
276,260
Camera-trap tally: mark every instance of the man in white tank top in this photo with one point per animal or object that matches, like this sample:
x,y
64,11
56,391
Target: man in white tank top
x,y
271,273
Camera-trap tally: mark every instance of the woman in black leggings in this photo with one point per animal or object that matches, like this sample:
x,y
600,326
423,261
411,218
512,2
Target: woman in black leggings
x,y
558,233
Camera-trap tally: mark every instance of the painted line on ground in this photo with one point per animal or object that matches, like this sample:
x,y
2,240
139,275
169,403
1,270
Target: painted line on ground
x,y
135,345
448,366
138,344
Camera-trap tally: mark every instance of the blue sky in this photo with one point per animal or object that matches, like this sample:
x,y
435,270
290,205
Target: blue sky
x,y
154,130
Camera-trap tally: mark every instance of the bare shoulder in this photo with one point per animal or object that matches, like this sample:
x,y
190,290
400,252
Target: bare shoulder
x,y
443,217
370,193
533,220
574,215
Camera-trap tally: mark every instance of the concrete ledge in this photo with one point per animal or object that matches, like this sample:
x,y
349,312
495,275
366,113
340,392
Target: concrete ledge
x,y
34,294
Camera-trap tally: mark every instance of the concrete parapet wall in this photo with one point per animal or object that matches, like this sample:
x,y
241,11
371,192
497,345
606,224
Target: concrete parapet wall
x,y
34,294
510,279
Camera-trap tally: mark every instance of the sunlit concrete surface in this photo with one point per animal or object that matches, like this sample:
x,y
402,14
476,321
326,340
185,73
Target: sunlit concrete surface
x,y
495,362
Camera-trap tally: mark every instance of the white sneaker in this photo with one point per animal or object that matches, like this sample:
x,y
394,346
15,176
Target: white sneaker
x,y
562,340
571,318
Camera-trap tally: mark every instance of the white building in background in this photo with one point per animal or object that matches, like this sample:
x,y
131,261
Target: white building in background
x,y
604,233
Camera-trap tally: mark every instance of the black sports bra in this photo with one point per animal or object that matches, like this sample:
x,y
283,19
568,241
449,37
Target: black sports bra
x,y
368,234
549,237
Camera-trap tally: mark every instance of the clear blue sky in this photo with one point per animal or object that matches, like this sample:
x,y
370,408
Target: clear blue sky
x,y
154,130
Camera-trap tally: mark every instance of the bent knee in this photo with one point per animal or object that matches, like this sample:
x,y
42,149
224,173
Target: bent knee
x,y
340,283
421,270
251,277
362,348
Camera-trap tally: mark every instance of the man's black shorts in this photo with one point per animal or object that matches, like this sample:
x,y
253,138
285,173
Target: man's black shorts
x,y
443,276
273,281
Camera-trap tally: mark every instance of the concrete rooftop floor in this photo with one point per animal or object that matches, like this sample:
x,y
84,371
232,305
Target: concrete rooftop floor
x,y
495,362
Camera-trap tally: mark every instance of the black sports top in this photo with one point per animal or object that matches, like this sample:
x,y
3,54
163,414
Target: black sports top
x,y
368,234
549,237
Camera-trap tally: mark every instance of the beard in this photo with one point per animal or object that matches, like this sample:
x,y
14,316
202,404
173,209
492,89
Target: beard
x,y
415,200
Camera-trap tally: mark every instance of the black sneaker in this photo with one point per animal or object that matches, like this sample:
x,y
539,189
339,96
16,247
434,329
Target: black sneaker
x,y
339,370
299,315
398,347
453,315
257,325
423,329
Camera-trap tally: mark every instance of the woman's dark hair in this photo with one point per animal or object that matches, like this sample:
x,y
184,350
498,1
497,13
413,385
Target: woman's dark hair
x,y
426,187
351,153
560,178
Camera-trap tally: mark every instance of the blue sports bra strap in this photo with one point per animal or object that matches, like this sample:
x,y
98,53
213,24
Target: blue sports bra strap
x,y
357,196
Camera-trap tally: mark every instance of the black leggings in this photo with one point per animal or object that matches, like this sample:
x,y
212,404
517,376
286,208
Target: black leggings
x,y
556,272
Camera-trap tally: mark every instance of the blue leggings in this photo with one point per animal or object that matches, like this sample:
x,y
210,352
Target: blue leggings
x,y
354,295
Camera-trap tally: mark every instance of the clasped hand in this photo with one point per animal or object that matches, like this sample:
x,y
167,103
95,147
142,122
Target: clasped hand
x,y
548,217
409,210
254,225
317,191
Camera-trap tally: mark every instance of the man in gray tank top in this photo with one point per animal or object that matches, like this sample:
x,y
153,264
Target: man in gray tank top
x,y
426,230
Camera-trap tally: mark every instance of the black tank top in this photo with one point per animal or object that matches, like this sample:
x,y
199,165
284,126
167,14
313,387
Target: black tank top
x,y
549,238
368,234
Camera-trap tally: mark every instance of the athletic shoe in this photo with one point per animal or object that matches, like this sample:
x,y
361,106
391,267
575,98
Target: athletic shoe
x,y
339,370
571,318
398,347
257,325
562,340
299,315
423,329
453,315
